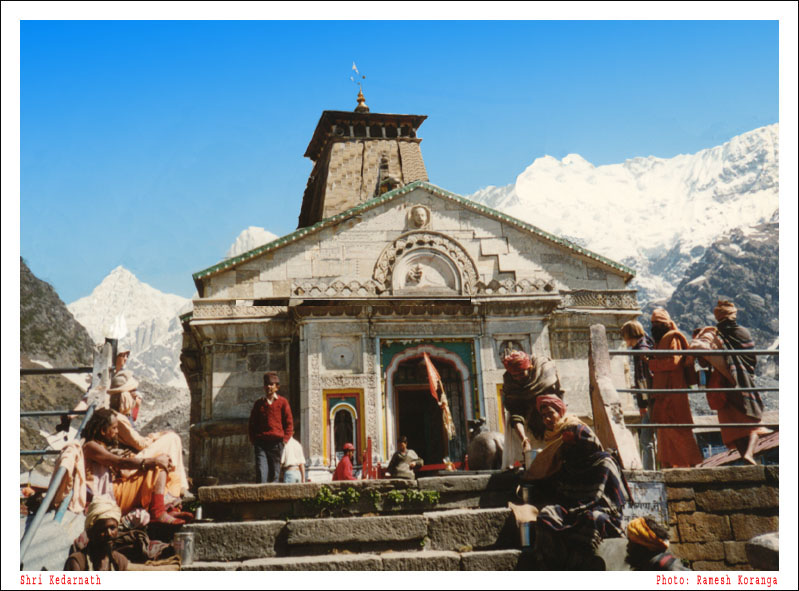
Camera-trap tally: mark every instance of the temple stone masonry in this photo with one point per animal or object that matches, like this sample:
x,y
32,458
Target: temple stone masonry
x,y
385,267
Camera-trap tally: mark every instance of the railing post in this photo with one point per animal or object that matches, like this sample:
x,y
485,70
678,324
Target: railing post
x,y
606,405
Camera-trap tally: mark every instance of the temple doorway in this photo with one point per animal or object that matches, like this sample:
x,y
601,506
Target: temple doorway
x,y
418,415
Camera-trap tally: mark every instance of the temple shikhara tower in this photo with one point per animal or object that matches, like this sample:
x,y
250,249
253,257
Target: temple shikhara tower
x,y
384,267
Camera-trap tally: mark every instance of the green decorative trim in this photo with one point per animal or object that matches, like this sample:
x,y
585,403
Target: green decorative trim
x,y
389,196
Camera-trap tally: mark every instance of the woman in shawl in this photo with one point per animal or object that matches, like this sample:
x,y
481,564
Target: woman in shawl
x,y
733,371
676,448
586,486
526,378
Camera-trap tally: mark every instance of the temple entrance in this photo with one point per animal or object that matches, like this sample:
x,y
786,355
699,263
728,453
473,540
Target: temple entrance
x,y
418,415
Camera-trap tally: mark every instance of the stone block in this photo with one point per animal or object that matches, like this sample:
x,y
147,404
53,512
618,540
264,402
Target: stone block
x,y
204,566
235,541
736,499
735,552
244,493
457,529
679,493
773,474
709,565
433,560
682,506
342,562
707,551
720,475
490,560
356,529
703,527
444,484
745,527
763,552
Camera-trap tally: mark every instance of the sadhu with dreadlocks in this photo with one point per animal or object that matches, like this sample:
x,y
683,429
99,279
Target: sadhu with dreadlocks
x,y
132,482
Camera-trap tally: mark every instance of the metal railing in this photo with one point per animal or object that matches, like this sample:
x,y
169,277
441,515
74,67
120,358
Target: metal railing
x,y
100,376
699,388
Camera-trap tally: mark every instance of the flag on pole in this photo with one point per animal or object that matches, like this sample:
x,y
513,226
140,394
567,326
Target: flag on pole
x,y
437,392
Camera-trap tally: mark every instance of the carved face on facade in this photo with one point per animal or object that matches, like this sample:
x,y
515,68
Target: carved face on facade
x,y
420,216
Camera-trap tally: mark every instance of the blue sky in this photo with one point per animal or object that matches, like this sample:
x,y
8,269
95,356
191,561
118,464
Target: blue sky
x,y
153,144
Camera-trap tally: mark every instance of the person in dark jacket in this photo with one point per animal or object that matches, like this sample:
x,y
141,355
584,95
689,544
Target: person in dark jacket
x,y
271,426
636,339
739,407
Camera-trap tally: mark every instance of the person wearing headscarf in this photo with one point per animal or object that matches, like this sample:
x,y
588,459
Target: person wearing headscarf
x,y
526,378
676,448
648,546
102,526
584,487
733,371
123,399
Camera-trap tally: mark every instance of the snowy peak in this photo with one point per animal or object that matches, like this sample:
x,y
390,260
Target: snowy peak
x,y
648,212
251,238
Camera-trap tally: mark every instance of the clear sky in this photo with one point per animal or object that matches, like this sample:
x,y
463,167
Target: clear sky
x,y
153,144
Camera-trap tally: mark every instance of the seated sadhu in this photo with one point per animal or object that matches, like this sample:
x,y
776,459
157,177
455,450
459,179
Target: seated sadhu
x,y
582,486
525,379
102,524
123,400
134,482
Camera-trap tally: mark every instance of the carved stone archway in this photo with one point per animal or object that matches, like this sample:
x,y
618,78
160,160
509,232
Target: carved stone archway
x,y
437,253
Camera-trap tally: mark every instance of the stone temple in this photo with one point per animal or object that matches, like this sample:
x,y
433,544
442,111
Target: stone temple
x,y
383,267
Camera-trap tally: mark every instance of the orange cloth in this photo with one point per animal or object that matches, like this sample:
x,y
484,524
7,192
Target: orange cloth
x,y
677,448
137,490
661,316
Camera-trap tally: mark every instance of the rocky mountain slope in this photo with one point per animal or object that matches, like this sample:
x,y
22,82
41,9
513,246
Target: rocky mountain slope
x,y
49,337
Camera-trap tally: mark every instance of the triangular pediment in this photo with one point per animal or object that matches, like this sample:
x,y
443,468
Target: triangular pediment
x,y
416,241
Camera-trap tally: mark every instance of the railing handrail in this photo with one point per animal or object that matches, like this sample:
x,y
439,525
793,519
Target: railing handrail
x,y
698,425
693,390
693,352
40,371
50,413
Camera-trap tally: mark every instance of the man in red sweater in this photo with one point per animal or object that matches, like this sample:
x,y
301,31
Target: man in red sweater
x,y
344,468
271,426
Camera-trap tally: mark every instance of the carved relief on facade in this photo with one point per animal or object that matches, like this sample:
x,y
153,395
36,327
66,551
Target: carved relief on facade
x,y
607,299
419,217
320,288
510,287
420,260
203,310
342,353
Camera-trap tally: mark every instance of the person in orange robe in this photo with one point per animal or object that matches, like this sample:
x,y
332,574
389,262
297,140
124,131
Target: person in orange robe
x,y
676,448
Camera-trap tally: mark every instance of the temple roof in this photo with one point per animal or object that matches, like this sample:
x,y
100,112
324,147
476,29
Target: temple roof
x,y
300,233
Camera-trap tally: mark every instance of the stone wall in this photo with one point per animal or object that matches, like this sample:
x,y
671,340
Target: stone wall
x,y
713,512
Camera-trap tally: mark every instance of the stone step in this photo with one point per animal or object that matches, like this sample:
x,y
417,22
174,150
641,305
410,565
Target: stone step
x,y
449,530
242,502
429,560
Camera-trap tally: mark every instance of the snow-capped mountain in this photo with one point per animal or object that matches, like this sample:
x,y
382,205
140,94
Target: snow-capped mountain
x,y
251,238
151,317
656,215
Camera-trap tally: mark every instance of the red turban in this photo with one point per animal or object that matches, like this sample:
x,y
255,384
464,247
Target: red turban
x,y
550,400
725,310
517,361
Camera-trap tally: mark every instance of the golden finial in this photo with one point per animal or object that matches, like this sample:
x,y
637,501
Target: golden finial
x,y
361,108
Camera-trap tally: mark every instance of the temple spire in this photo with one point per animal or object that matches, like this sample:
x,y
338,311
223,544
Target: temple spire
x,y
361,108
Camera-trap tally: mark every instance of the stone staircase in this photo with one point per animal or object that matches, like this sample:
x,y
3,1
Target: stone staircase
x,y
274,527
